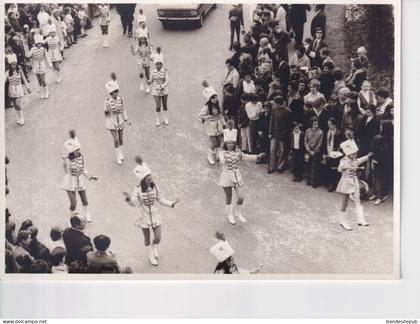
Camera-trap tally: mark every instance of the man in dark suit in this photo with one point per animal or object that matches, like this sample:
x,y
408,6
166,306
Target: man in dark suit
x,y
298,19
99,260
332,140
319,20
76,242
126,12
314,48
278,131
282,71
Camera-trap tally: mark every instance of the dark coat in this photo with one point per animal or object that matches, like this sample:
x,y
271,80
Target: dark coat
x,y
319,21
279,123
317,60
296,105
338,139
77,245
366,133
298,14
283,72
322,119
327,84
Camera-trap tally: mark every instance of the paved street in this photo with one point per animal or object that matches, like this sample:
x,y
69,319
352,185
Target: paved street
x,y
291,229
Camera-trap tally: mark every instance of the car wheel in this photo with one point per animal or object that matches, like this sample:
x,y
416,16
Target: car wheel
x,y
200,21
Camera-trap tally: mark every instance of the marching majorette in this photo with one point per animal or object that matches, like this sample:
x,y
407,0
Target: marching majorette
x,y
143,51
224,255
230,178
115,118
349,184
146,197
104,20
55,47
214,122
38,53
16,77
160,79
75,173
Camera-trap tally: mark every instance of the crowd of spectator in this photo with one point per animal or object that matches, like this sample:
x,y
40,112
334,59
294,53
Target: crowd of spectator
x,y
68,250
290,100
25,21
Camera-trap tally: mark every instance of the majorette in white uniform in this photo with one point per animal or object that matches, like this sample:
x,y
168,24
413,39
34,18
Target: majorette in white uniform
x,y
75,174
115,117
15,87
39,59
230,176
55,47
349,183
146,201
213,125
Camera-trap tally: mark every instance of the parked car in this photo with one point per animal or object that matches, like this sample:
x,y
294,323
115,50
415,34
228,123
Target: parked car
x,y
183,12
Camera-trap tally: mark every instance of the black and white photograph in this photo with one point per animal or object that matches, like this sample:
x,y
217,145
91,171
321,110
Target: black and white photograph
x,y
190,141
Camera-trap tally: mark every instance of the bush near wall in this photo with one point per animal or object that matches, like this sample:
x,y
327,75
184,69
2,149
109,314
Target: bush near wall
x,y
372,26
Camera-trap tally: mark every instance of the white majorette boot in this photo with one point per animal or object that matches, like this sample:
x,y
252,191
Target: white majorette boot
x,y
229,210
152,257
155,250
361,221
105,43
117,154
157,119
238,213
141,84
19,118
147,88
210,157
121,153
165,118
87,214
47,93
343,221
59,78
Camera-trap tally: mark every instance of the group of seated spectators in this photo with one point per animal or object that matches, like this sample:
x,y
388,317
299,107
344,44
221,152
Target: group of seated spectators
x,y
299,110
23,21
68,251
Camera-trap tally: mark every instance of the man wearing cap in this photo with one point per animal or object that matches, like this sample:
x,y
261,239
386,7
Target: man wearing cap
x,y
314,48
75,172
146,197
349,183
115,118
25,16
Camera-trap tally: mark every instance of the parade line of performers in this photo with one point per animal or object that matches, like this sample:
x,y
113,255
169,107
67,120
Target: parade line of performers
x,y
299,113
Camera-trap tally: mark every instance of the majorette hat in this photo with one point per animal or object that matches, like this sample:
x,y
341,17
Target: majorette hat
x,y
52,29
349,147
221,250
230,136
39,39
208,93
141,171
111,86
11,58
72,145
